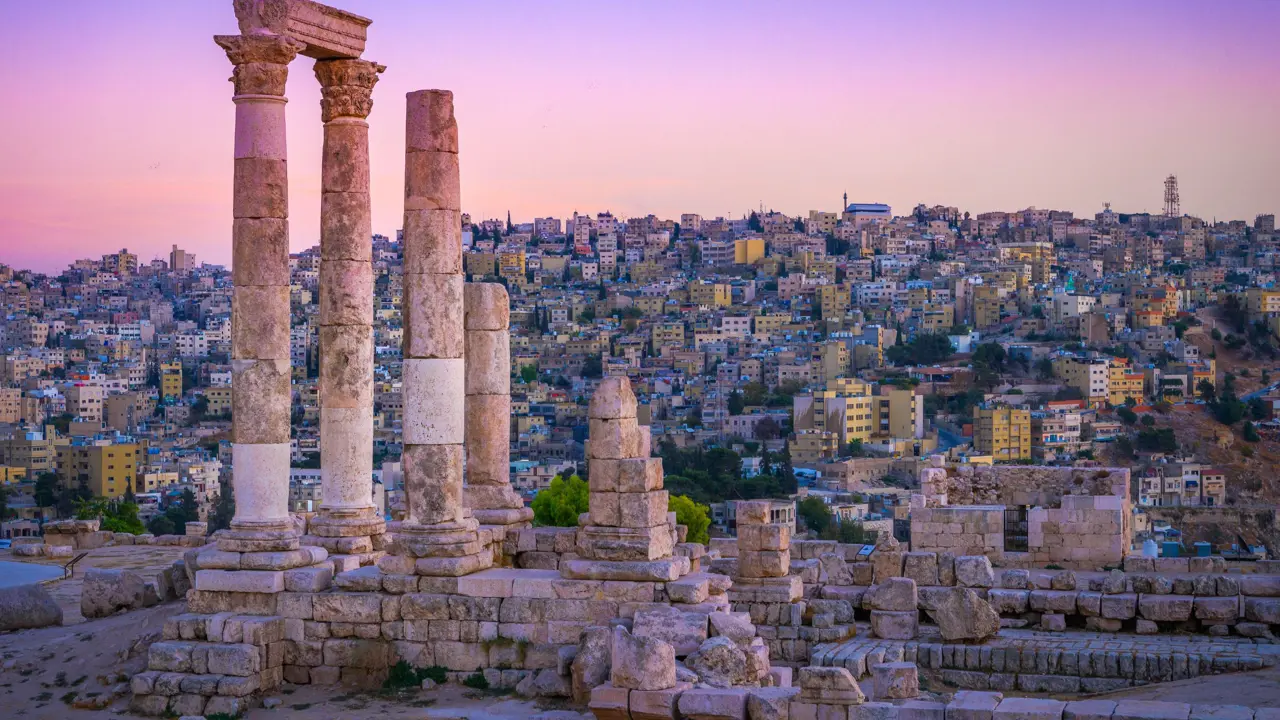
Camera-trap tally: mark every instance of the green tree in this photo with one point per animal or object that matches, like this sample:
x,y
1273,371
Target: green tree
x,y
850,532
1258,408
560,504
754,393
1207,391
1148,421
592,367
815,513
47,490
160,525
1251,432
695,516
529,373
855,448
1044,368
224,509
735,403
753,222
1127,415
4,503
122,517
924,349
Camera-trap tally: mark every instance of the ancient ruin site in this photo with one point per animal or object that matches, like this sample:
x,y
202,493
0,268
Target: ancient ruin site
x,y
1019,595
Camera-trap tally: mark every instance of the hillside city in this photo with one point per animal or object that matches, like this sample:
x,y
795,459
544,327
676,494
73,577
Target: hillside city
x,y
788,357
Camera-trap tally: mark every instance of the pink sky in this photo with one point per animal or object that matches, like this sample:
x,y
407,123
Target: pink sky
x,y
118,126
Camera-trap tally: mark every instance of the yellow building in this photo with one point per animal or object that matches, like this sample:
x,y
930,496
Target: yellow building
x,y
769,324
899,413
811,446
937,318
105,469
710,294
154,481
171,380
12,474
219,400
1004,433
671,333
1261,301
1125,381
748,250
834,300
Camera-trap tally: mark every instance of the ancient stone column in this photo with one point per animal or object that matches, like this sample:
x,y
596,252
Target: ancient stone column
x,y
764,557
629,534
260,299
438,535
347,523
488,490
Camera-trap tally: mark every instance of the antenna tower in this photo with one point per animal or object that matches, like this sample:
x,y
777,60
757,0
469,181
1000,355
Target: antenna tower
x,y
1172,207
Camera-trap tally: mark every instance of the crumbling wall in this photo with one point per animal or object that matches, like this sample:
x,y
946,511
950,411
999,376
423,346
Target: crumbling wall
x,y
1031,484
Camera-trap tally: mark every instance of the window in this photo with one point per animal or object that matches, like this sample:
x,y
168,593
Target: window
x,y
1015,528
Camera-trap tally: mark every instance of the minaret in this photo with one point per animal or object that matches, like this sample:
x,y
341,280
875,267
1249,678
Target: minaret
x,y
845,206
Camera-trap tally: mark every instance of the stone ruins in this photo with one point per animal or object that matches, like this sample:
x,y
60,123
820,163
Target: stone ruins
x,y
620,612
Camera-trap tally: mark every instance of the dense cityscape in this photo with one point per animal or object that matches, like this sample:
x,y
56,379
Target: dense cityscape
x,y
774,356
849,462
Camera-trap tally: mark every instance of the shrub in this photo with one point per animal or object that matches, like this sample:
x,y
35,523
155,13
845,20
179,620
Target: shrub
x,y
562,502
692,515
476,681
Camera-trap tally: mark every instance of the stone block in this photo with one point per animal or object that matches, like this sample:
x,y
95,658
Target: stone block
x,y
922,710
974,571
347,607
613,399
610,703
973,705
872,711
433,243
1261,610
240,581
895,625
1220,712
613,439
434,414
1151,710
713,704
240,660
1056,601
770,703
1165,608
895,680
1089,710
922,567
894,594
642,662
1119,607
308,579
356,653
1220,610
1029,709
1011,602
642,509
684,631
656,704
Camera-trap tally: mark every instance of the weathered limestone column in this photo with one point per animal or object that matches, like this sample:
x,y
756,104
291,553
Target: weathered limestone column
x,y
488,490
628,534
347,523
260,299
764,558
438,536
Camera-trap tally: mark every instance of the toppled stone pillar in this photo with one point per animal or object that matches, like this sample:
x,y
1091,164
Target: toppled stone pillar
x,y
438,535
764,558
348,524
488,492
629,535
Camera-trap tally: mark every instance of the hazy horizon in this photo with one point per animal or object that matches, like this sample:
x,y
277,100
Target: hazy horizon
x,y
120,128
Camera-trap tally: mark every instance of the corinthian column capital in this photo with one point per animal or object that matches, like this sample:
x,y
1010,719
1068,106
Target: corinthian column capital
x,y
346,87
261,61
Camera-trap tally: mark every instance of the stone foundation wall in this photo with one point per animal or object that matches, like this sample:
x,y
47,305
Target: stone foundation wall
x,y
1085,533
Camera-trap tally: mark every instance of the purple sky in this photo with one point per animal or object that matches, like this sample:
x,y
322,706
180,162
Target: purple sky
x,y
119,123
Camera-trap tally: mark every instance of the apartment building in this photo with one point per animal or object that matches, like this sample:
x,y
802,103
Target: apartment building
x,y
1003,432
